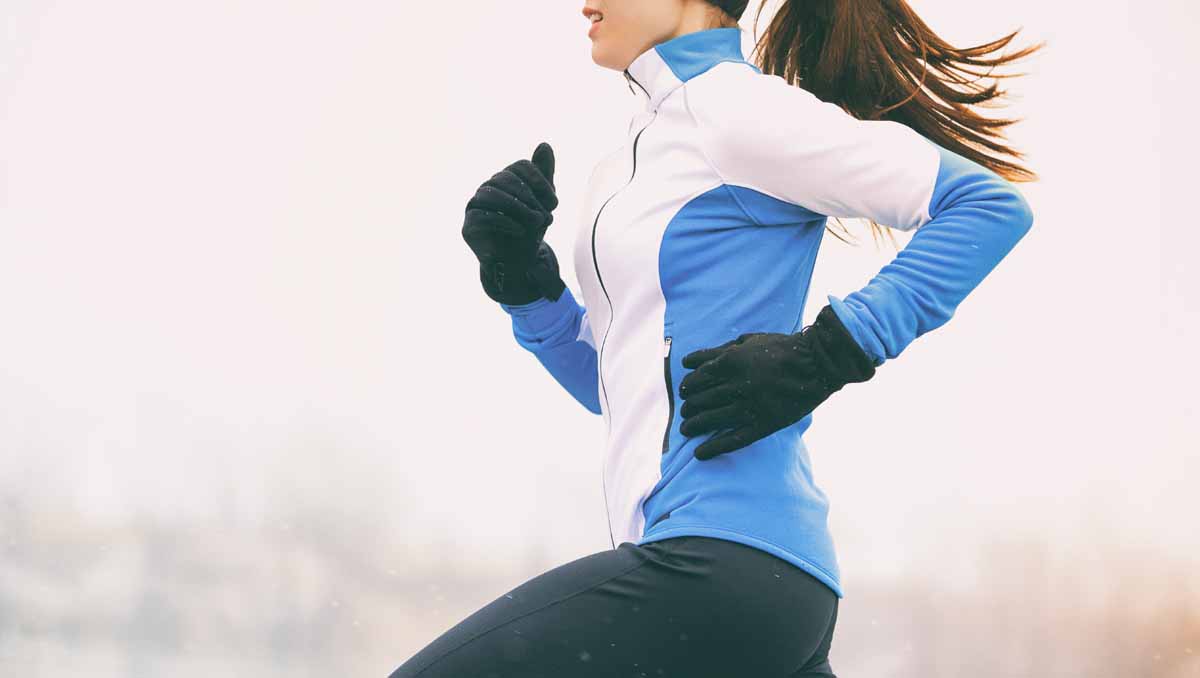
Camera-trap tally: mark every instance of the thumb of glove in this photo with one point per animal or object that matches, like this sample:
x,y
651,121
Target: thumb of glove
x,y
543,159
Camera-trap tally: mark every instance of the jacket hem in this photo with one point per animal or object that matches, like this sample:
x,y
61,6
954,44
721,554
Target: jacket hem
x,y
820,573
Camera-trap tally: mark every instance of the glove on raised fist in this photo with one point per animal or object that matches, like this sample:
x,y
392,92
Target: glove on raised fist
x,y
505,222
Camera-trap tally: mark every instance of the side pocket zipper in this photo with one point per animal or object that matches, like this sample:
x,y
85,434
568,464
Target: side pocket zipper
x,y
670,393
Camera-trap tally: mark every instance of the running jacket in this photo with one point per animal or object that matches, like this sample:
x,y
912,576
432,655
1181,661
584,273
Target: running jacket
x,y
704,225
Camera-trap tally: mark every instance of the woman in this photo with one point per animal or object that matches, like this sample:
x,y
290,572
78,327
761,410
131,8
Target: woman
x,y
695,251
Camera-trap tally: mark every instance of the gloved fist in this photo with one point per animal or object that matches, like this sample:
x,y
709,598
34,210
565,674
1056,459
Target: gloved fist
x,y
763,382
505,222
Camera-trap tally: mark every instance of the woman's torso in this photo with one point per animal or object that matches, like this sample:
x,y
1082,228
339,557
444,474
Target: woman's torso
x,y
671,259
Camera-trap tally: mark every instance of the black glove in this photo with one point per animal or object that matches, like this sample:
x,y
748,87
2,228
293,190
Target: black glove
x,y
763,382
505,222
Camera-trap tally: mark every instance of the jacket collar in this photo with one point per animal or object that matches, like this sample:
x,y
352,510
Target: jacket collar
x,y
657,71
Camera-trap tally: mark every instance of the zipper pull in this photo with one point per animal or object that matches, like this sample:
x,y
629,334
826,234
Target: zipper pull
x,y
667,347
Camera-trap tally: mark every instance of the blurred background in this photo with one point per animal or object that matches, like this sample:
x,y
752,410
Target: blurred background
x,y
257,417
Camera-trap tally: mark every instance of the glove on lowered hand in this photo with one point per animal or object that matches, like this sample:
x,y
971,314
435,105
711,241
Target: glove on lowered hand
x,y
763,382
504,225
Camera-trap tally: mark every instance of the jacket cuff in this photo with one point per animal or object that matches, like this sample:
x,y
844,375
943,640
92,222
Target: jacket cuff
x,y
538,316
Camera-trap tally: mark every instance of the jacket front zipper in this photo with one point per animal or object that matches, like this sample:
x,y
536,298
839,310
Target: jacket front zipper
x,y
600,357
670,393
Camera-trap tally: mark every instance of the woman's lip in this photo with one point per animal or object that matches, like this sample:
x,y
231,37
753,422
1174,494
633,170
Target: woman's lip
x,y
594,26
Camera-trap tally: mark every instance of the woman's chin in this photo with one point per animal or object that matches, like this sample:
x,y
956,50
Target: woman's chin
x,y
602,59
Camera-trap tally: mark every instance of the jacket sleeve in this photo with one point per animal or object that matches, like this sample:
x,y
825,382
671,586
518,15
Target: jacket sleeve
x,y
780,139
559,336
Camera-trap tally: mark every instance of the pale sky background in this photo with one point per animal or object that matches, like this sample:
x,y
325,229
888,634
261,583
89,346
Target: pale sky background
x,y
232,281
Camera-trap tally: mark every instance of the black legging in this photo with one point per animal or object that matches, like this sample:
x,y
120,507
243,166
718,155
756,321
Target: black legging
x,y
685,607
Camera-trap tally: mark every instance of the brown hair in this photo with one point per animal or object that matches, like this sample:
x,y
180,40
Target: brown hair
x,y
878,60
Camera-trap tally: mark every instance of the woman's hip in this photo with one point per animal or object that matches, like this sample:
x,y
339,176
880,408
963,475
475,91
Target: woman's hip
x,y
685,606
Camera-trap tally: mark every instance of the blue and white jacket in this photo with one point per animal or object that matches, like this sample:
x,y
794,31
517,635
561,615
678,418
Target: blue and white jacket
x,y
704,225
